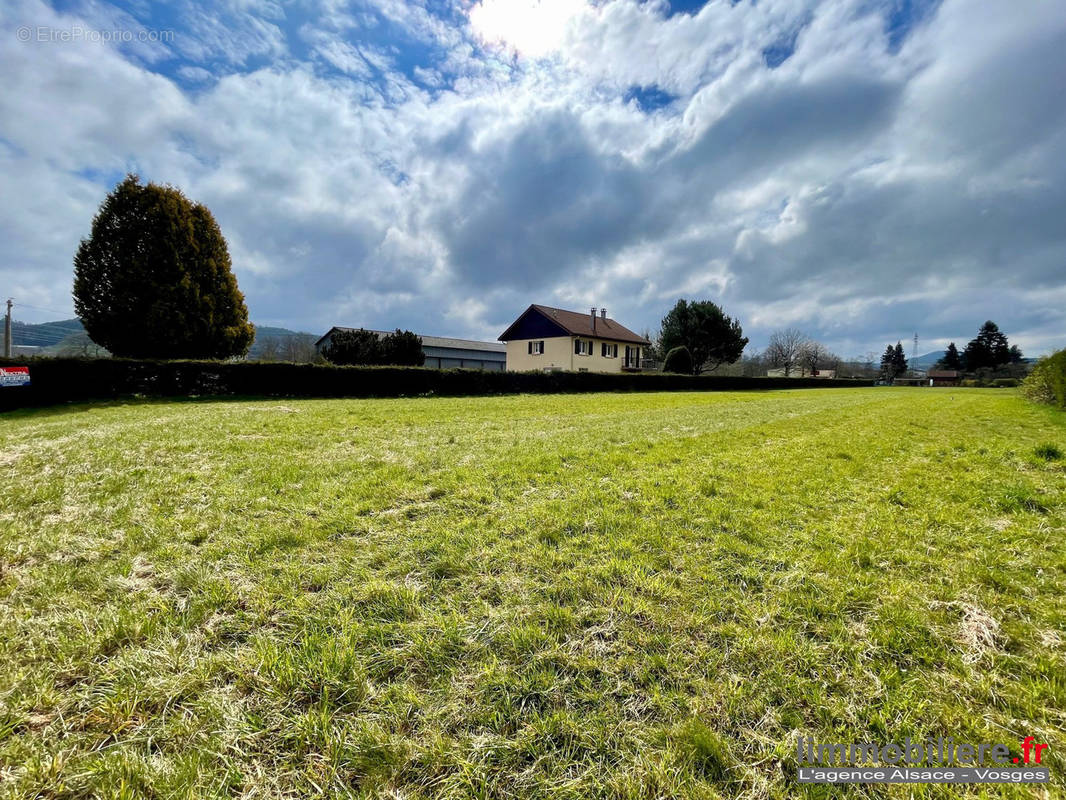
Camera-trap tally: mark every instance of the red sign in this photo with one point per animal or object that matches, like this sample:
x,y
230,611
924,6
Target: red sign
x,y
14,376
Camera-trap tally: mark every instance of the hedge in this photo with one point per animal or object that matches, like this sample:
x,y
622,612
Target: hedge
x,y
61,380
1047,382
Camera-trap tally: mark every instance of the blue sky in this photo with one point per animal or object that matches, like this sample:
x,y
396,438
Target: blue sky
x,y
858,169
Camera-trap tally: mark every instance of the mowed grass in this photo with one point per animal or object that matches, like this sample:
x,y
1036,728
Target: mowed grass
x,y
617,596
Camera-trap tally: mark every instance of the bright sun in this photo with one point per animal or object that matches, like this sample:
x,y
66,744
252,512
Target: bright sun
x,y
533,28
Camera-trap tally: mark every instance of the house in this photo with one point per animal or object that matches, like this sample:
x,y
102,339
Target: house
x,y
944,377
545,338
800,372
443,352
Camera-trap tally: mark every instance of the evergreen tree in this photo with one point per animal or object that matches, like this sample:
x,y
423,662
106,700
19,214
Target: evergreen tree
x,y
1015,354
354,347
154,279
711,337
364,347
899,360
988,349
402,348
951,359
888,364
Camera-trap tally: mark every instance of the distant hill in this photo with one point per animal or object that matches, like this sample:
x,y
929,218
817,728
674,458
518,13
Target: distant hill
x,y
44,334
282,344
927,360
67,337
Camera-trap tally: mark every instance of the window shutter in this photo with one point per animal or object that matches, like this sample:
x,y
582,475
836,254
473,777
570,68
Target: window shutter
x,y
530,351
577,347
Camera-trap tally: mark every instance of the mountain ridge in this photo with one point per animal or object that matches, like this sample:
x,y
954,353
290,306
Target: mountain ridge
x,y
54,335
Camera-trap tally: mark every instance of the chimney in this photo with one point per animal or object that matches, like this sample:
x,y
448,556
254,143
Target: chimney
x,y
603,313
592,311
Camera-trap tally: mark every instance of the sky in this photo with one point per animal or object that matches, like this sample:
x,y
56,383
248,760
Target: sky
x,y
863,170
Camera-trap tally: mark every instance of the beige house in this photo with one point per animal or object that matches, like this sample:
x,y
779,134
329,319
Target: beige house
x,y
545,338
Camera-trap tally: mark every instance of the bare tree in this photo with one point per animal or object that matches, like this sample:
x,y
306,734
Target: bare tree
x,y
269,349
785,348
79,345
753,365
299,348
652,353
811,354
832,361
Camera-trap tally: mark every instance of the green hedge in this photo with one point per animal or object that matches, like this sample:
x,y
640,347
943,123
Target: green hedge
x,y
70,379
1047,382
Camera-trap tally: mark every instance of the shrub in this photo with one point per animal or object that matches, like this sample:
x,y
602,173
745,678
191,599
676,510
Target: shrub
x,y
679,359
59,380
363,347
403,348
1005,383
970,383
1047,382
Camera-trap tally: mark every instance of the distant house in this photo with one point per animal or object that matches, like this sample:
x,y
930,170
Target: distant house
x,y
944,377
445,353
800,372
546,338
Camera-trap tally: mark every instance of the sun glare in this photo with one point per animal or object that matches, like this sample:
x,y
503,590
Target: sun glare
x,y
532,28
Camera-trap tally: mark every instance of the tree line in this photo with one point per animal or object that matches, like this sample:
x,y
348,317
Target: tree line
x,y
989,349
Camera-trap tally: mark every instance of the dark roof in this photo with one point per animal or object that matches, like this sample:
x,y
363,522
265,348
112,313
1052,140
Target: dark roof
x,y
576,323
432,341
943,373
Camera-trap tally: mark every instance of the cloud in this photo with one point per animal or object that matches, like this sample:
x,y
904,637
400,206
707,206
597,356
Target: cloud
x,y
843,167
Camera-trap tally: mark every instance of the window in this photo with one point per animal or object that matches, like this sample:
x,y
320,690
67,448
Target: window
x,y
536,348
609,350
583,347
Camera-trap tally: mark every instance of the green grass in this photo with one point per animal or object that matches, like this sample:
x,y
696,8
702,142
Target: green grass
x,y
625,596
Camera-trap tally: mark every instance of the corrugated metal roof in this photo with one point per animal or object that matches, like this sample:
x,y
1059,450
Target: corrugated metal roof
x,y
435,341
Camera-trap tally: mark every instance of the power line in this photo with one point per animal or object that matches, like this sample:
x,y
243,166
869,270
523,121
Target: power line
x,y
54,326
41,308
38,339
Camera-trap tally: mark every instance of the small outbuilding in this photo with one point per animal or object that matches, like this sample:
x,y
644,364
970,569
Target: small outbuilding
x,y
944,377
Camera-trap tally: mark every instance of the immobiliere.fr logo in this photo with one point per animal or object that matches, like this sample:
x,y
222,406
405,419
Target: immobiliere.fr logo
x,y
942,760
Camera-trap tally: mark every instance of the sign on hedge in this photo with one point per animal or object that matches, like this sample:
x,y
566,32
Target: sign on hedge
x,y
14,376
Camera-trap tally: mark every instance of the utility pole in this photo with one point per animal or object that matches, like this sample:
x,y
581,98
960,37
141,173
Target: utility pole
x,y
7,331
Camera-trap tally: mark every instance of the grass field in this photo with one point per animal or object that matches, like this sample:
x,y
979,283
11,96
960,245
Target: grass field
x,y
626,596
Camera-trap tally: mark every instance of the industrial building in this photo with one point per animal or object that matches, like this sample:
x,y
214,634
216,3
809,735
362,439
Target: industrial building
x,y
443,352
